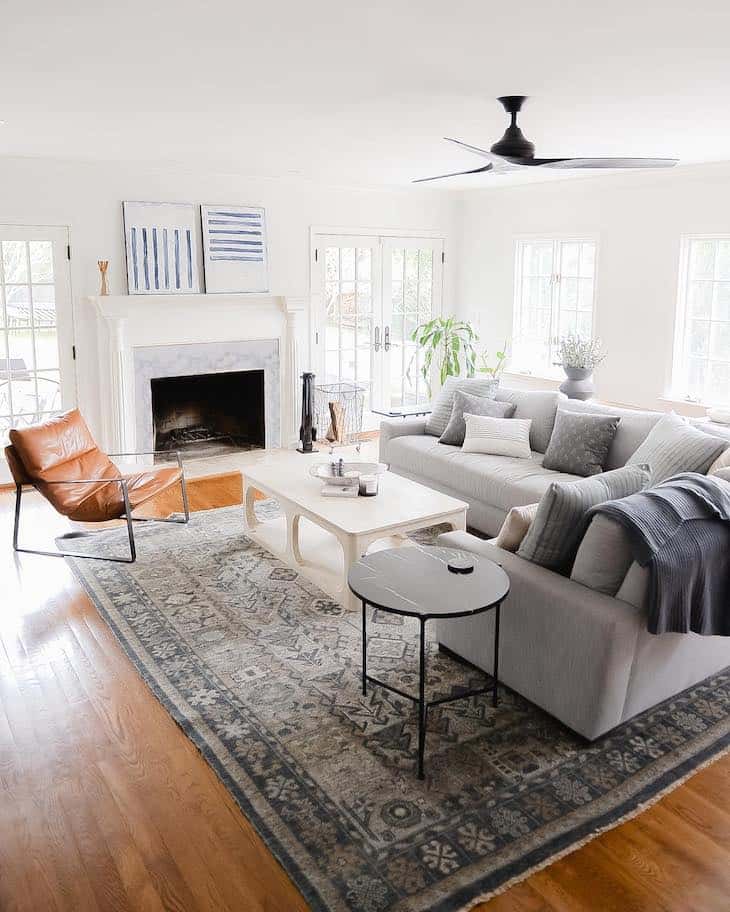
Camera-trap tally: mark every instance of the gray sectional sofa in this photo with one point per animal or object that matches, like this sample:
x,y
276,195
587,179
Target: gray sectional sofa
x,y
583,656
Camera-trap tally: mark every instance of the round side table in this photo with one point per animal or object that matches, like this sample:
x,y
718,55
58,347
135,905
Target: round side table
x,y
416,582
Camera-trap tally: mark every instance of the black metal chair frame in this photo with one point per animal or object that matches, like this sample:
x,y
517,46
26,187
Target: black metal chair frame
x,y
127,515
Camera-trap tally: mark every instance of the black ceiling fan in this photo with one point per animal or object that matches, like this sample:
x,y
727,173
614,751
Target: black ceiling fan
x,y
515,151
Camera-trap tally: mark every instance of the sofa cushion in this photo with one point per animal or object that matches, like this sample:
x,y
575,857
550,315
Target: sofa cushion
x,y
474,405
443,403
635,588
633,428
497,436
604,556
722,462
540,406
674,446
555,534
499,481
515,527
580,443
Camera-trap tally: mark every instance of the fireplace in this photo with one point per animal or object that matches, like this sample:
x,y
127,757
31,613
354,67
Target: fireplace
x,y
207,414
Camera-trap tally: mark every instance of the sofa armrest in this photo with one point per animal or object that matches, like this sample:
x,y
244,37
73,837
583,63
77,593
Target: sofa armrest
x,y
565,647
465,541
391,428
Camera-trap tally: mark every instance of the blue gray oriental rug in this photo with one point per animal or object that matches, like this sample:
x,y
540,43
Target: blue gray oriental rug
x,y
261,670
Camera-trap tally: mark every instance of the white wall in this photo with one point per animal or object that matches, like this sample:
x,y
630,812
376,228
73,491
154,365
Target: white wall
x,y
87,197
639,220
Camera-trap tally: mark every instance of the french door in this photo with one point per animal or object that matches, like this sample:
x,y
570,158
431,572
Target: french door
x,y
37,378
374,291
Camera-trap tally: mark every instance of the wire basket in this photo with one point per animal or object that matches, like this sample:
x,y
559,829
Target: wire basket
x,y
348,426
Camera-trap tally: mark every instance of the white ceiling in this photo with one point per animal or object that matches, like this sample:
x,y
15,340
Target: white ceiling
x,y
361,93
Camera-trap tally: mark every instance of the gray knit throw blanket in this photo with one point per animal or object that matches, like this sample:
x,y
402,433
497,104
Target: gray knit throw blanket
x,y
680,529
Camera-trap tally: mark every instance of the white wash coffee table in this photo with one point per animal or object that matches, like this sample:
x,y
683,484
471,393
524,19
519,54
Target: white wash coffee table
x,y
401,506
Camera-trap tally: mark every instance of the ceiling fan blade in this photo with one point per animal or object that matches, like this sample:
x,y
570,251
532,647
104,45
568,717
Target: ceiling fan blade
x,y
421,180
499,163
598,163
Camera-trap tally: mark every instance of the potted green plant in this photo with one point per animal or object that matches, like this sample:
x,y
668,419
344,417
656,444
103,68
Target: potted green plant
x,y
579,358
451,343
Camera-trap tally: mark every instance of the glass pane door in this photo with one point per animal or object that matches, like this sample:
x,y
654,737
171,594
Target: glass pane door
x,y
412,270
36,333
351,286
374,291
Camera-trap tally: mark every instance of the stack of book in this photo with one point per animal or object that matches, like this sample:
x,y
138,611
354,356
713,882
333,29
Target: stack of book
x,y
343,486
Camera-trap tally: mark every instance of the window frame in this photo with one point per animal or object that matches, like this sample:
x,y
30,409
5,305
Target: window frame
x,y
679,386
548,370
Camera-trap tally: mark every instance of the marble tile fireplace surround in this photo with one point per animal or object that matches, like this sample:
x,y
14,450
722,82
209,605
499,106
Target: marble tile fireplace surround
x,y
142,339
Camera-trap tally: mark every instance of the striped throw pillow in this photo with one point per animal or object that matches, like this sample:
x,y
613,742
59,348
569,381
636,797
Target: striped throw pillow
x,y
444,402
674,446
497,436
556,531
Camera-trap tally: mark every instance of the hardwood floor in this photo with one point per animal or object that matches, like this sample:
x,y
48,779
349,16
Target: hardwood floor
x,y
106,806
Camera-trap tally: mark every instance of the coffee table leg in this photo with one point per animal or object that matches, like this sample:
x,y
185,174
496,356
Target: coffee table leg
x,y
364,648
422,701
496,655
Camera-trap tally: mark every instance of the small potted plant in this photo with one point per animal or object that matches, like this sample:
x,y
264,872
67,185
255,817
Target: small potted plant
x,y
500,362
579,358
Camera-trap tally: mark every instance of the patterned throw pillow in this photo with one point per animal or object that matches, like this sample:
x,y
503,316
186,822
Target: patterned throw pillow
x,y
475,405
444,401
580,442
497,436
674,446
555,533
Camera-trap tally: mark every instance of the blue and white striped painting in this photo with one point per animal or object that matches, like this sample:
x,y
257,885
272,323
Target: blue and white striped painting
x,y
234,249
161,248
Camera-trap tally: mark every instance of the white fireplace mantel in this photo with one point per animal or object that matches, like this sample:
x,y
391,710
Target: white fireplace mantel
x,y
126,322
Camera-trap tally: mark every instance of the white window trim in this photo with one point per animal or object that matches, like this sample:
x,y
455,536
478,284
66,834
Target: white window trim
x,y
677,390
548,372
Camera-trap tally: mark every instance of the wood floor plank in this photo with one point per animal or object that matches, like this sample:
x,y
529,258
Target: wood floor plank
x,y
106,806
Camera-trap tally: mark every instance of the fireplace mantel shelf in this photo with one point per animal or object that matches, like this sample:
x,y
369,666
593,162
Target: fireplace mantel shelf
x,y
121,307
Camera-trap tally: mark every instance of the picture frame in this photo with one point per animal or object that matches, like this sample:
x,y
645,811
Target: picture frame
x,y
235,254
162,248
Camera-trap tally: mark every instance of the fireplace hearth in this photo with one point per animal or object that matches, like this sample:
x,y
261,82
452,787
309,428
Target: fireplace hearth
x,y
209,414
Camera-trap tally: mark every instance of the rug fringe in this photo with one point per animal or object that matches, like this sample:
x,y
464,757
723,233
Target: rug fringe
x,y
639,809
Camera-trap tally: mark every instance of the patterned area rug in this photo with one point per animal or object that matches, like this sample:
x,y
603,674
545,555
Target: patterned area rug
x,y
261,671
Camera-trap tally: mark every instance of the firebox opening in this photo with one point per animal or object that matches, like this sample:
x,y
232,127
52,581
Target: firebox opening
x,y
209,413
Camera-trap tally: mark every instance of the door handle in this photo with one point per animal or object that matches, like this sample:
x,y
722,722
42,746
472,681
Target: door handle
x,y
376,341
386,341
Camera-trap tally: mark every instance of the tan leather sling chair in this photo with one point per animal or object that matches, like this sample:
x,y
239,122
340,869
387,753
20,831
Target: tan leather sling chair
x,y
61,459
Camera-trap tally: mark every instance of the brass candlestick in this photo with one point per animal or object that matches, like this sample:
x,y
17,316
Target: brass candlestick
x,y
103,266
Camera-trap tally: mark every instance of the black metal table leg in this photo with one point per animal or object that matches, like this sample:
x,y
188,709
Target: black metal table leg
x,y
422,706
496,655
364,648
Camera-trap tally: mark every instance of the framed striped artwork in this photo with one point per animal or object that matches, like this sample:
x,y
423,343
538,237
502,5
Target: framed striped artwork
x,y
234,249
161,242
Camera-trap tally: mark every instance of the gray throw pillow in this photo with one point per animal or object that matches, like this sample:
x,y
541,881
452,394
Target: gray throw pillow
x,y
472,405
539,406
444,401
580,443
674,446
604,556
555,533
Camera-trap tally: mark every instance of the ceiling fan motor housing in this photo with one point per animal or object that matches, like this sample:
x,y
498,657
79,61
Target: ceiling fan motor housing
x,y
513,144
